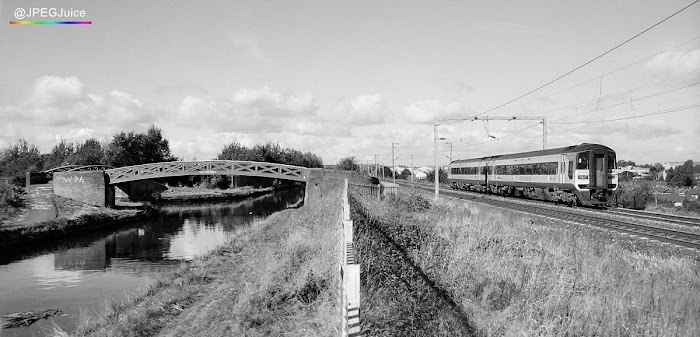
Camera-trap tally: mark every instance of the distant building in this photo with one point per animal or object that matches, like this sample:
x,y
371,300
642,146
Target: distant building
x,y
638,172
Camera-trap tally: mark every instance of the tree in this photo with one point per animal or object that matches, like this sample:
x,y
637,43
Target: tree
x,y
443,176
348,164
19,158
271,153
138,148
59,155
404,174
681,175
88,153
622,163
237,151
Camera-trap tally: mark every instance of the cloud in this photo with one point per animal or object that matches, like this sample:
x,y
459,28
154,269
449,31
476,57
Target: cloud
x,y
644,129
61,101
675,62
251,111
52,90
361,111
425,111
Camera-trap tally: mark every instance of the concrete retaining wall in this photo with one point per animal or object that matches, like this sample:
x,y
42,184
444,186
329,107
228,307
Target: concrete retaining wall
x,y
88,186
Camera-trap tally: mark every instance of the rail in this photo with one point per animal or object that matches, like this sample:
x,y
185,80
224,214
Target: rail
x,y
349,275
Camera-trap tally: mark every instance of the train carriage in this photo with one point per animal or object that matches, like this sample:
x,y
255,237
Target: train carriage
x,y
577,174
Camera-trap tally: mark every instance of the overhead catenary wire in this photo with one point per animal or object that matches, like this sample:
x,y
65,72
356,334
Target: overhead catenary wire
x,y
597,78
591,61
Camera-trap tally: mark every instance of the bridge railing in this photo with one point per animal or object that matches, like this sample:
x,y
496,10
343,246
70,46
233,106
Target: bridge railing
x,y
207,167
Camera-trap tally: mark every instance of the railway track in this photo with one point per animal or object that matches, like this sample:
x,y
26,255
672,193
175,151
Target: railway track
x,y
672,236
675,219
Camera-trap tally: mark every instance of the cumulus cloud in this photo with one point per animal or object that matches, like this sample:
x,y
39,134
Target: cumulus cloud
x,y
360,111
249,110
52,90
61,101
675,62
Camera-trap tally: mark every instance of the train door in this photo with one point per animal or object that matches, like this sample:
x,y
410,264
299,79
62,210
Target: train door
x,y
598,171
562,169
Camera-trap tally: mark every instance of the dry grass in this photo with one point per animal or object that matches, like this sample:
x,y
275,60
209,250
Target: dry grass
x,y
516,275
275,277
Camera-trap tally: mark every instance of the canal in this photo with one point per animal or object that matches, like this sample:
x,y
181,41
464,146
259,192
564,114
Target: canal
x,y
79,276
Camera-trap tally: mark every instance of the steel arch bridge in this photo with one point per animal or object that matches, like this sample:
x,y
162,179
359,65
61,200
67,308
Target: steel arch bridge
x,y
70,168
207,167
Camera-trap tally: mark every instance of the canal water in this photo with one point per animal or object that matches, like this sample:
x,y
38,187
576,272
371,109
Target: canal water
x,y
78,276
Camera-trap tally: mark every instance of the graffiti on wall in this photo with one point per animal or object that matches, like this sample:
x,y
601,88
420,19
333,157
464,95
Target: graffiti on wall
x,y
73,179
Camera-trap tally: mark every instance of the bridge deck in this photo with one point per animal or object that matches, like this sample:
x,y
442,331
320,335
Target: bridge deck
x,y
208,167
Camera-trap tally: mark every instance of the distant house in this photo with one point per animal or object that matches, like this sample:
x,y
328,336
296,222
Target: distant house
x,y
676,195
637,172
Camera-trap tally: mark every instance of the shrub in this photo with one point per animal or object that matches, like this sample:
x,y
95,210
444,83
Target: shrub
x,y
411,202
10,195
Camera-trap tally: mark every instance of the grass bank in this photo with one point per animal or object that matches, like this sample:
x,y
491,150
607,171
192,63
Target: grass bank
x,y
512,274
74,218
198,193
276,277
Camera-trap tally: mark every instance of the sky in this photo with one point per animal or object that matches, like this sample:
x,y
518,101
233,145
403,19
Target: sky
x,y
349,78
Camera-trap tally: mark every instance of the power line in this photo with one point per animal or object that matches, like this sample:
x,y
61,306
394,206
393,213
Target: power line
x,y
606,74
633,117
592,60
623,103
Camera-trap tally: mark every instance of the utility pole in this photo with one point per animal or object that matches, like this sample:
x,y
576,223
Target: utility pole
x,y
376,173
436,175
412,169
393,162
450,151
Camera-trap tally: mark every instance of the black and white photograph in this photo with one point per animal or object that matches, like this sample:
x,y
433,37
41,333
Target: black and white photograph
x,y
349,168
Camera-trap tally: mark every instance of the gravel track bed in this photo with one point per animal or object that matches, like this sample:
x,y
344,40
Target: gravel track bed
x,y
398,299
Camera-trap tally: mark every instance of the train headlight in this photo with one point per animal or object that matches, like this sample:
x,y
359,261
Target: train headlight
x,y
582,177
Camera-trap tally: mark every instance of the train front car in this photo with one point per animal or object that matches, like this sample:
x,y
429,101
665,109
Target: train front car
x,y
593,175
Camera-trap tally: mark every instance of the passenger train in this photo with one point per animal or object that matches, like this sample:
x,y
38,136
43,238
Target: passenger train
x,y
575,175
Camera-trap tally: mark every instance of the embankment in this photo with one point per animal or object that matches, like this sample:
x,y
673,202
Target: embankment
x,y
63,227
513,274
275,277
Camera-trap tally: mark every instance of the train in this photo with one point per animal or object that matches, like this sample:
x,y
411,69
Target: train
x,y
577,175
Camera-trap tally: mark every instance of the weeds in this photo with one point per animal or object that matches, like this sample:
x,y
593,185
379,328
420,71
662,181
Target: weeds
x,y
516,275
276,277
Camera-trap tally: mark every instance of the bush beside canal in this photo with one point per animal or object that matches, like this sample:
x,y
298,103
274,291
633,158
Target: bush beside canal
x,y
513,274
279,276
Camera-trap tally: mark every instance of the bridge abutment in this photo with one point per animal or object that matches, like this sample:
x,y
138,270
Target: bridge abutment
x,y
91,187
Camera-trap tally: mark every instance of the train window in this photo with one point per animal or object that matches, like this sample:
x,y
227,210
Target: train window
x,y
538,169
582,163
528,169
552,168
512,169
611,160
571,169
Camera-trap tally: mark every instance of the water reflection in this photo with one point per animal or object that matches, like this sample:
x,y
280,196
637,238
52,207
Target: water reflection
x,y
78,274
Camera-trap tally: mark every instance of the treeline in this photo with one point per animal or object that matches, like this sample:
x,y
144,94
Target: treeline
x,y
123,149
132,148
270,153
682,176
